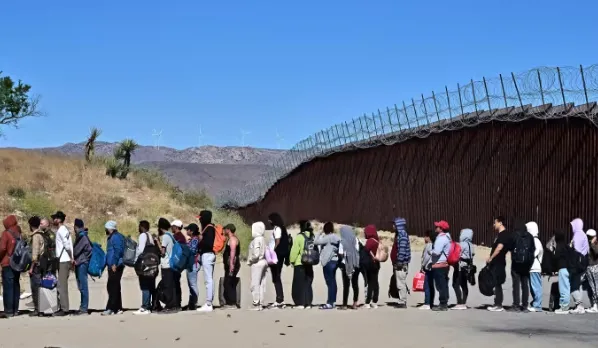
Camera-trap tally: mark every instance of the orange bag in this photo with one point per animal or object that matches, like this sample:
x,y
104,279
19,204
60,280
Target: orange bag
x,y
219,239
418,282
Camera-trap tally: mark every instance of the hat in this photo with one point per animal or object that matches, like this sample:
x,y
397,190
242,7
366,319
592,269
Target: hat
x,y
177,223
591,233
193,228
442,224
58,215
110,225
230,227
79,223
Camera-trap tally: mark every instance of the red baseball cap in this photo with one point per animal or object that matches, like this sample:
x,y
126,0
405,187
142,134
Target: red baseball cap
x,y
442,224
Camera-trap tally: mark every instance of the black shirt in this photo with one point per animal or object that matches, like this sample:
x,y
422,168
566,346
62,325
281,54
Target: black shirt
x,y
506,239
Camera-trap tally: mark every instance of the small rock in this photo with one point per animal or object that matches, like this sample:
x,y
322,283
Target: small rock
x,y
320,331
178,338
289,325
277,321
282,334
228,315
235,331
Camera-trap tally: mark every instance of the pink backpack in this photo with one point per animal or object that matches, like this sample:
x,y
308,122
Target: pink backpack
x,y
271,256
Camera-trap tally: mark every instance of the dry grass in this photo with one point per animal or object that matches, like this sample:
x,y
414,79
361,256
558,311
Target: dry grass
x,y
39,184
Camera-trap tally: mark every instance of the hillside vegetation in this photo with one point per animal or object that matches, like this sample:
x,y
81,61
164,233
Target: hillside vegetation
x,y
35,183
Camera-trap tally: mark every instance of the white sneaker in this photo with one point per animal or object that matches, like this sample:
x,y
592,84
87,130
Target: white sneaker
x,y
424,307
276,305
561,311
496,309
25,295
256,307
299,307
531,309
459,307
367,306
374,306
142,311
593,309
578,310
205,308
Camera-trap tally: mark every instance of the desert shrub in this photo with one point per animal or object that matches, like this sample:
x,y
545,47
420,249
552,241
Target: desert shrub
x,y
37,204
195,199
113,167
152,179
16,192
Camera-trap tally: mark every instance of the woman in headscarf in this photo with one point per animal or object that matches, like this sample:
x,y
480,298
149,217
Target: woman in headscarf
x,y
279,242
373,268
329,256
303,274
349,250
11,286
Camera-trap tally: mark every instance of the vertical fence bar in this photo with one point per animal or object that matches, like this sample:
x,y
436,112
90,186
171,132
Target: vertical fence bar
x,y
361,128
517,89
406,115
399,118
475,102
338,135
415,112
392,130
375,127
583,80
425,110
504,94
487,94
328,137
436,107
558,70
461,102
381,122
448,100
348,135
541,88
355,130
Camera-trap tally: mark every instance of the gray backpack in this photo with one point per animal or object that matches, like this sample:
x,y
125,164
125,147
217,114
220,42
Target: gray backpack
x,y
311,254
20,260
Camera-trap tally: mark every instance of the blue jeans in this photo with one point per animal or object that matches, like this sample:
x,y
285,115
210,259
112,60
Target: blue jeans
x,y
193,289
429,291
11,287
330,277
207,262
147,285
81,275
536,285
564,288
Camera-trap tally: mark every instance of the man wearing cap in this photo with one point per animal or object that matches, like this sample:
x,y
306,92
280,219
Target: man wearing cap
x,y
82,253
592,271
64,253
193,243
115,250
440,266
232,264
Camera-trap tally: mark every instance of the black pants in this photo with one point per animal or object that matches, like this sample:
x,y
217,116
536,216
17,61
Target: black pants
x,y
441,281
501,277
170,288
276,271
354,281
460,284
35,279
520,282
372,284
302,292
230,286
115,302
177,287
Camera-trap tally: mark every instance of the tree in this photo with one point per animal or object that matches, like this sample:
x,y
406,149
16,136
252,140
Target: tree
x,y
90,144
16,102
125,150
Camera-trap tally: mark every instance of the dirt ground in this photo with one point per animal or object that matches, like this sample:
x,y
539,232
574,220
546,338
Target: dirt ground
x,y
291,328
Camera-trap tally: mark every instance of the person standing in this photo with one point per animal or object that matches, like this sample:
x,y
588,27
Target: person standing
x,y
520,271
256,259
168,278
461,270
82,253
303,274
402,259
426,267
232,265
373,268
349,265
592,271
147,284
498,262
329,257
193,243
562,253
11,285
536,270
440,251
64,253
279,243
37,249
581,247
208,257
115,250
177,233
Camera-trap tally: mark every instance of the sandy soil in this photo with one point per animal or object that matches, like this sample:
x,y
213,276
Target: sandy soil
x,y
297,328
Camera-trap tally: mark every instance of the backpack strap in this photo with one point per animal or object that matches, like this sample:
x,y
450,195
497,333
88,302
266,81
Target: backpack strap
x,y
147,242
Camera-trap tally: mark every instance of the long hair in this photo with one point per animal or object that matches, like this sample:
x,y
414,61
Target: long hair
x,y
276,221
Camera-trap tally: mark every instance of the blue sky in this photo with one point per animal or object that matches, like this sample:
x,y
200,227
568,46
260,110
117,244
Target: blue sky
x,y
293,66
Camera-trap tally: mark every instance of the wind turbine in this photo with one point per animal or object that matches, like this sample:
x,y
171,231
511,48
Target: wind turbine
x,y
158,136
200,136
279,139
243,134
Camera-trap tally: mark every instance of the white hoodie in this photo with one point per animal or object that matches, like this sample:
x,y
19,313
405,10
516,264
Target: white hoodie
x,y
532,228
257,249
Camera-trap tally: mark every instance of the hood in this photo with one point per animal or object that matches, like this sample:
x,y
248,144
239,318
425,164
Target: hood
x,y
400,224
347,233
10,221
205,218
370,232
258,229
276,220
466,235
532,228
577,225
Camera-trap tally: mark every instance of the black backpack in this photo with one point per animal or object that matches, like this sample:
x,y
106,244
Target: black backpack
x,y
130,252
487,281
577,263
20,260
311,254
365,258
148,263
48,262
524,249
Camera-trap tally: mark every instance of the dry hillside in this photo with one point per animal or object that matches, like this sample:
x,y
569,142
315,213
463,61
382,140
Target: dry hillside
x,y
34,183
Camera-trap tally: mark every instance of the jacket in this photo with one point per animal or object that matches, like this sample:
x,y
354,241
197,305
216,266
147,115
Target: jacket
x,y
82,248
580,240
298,247
440,251
372,241
257,247
7,241
37,245
115,249
402,241
208,234
331,244
532,228
427,257
467,247
593,255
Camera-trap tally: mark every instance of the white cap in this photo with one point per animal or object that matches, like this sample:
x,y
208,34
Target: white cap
x,y
177,223
591,233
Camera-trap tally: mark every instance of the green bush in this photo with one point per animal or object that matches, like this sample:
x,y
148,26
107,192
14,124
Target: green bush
x,y
152,179
16,192
37,204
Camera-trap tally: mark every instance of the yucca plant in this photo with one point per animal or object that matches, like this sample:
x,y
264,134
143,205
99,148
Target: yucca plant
x,y
125,150
90,144
113,167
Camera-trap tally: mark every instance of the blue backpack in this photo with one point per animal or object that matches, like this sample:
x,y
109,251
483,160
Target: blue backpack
x,y
97,264
181,257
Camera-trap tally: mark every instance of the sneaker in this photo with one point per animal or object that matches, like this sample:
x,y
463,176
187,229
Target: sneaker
x,y
578,310
142,311
367,306
257,307
401,304
561,311
25,295
425,307
277,305
168,311
374,306
119,312
514,309
308,307
441,308
531,309
593,309
205,308
459,307
299,307
496,309
106,312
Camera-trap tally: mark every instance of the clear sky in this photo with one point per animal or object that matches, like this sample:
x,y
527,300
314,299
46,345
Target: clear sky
x,y
132,66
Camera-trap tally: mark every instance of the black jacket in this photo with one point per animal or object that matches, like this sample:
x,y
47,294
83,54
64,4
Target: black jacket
x,y
206,244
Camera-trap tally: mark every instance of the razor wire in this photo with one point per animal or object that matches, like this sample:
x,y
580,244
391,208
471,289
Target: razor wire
x,y
541,93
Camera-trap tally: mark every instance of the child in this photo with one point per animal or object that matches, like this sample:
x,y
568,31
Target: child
x,y
461,272
429,237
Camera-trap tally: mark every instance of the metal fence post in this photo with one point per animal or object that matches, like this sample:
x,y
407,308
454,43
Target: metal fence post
x,y
558,70
425,110
389,120
398,118
448,99
504,94
415,111
487,94
475,103
461,102
517,89
436,107
583,80
541,88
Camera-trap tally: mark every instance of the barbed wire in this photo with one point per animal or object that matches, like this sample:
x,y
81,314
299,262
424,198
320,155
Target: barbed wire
x,y
541,93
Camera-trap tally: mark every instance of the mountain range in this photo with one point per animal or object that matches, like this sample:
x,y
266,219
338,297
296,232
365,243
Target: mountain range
x,y
211,168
